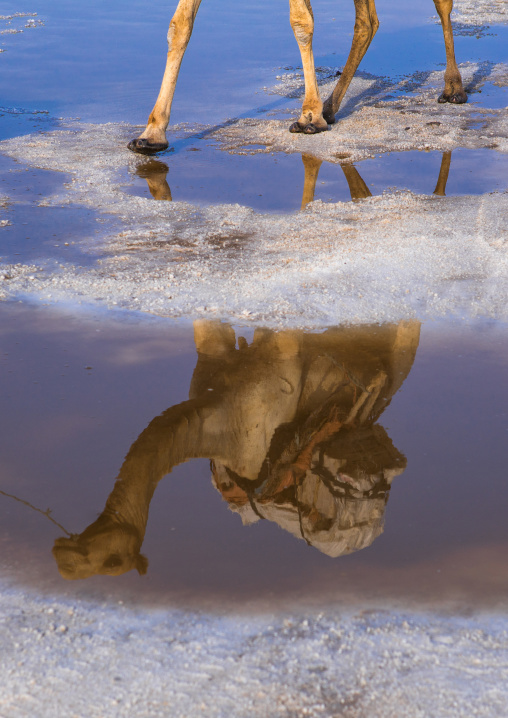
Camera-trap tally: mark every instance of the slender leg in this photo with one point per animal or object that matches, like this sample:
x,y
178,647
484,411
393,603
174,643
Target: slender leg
x,y
155,174
153,139
311,166
443,174
357,187
453,90
366,24
302,21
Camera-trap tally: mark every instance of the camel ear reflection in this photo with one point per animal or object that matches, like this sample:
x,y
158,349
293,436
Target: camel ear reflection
x,y
289,422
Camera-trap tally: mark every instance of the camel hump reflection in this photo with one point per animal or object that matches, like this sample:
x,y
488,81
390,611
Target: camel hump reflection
x,y
155,174
289,422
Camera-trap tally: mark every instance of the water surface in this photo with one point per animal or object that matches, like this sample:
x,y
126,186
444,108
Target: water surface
x,y
77,392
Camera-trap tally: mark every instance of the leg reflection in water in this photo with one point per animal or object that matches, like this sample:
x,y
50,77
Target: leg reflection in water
x,y
155,172
290,425
357,187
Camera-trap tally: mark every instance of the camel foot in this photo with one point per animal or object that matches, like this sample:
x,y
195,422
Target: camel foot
x,y
457,98
309,129
145,147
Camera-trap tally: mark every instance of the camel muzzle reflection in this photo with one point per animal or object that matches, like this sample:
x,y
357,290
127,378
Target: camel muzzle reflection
x,y
155,173
289,423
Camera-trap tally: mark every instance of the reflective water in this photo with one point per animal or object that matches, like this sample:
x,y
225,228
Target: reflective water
x,y
202,175
353,462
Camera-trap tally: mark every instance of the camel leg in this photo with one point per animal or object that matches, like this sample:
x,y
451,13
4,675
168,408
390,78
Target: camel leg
x,y
366,25
443,174
311,166
357,187
453,90
302,21
155,173
153,139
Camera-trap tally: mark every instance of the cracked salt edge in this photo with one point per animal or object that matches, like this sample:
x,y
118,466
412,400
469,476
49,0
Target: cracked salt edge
x,y
396,256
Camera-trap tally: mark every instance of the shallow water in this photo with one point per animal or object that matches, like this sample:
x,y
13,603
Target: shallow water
x,y
280,183
76,392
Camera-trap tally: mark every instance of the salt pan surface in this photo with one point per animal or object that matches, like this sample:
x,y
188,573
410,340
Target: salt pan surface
x,y
480,12
120,661
384,258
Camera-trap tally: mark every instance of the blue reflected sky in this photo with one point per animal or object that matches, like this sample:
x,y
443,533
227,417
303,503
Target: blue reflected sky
x,y
104,61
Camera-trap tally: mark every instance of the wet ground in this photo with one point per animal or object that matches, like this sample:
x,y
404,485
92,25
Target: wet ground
x,y
262,385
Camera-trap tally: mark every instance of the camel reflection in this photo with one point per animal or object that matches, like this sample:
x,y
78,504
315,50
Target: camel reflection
x,y
289,423
155,173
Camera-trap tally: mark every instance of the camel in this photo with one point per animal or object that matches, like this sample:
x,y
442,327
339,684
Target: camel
x,y
289,423
315,116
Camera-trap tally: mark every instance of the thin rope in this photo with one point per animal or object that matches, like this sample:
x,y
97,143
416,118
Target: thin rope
x,y
46,513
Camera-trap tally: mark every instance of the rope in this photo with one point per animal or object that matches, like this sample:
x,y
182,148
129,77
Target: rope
x,y
40,511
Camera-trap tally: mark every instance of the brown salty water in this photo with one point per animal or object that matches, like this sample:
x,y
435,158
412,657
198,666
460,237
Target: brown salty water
x,y
76,392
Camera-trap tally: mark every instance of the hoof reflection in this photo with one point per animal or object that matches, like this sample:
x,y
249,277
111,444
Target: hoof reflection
x,y
155,172
290,425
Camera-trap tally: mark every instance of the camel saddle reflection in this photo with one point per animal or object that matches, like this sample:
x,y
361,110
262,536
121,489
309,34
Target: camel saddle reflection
x,y
289,423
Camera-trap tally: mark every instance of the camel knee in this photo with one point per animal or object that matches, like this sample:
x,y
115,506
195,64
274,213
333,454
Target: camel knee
x,y
444,7
180,30
302,22
374,25
366,27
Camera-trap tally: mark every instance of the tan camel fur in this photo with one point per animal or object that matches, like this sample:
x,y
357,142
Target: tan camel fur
x,y
316,116
277,418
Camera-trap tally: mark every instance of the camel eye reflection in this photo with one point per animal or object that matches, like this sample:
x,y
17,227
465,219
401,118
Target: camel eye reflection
x,y
314,460
113,561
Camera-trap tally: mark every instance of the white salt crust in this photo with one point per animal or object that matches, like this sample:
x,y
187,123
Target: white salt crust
x,y
76,658
480,12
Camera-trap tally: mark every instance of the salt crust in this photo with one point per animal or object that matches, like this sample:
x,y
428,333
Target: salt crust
x,y
77,658
480,12
395,256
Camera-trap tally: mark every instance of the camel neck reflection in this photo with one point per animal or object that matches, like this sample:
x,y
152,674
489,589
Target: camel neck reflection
x,y
290,425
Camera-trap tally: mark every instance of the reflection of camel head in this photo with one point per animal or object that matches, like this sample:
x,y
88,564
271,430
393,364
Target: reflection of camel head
x,y
289,422
105,547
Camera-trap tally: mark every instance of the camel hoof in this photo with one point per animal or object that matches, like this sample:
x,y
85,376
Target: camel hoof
x,y
309,129
458,98
312,129
145,147
296,127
